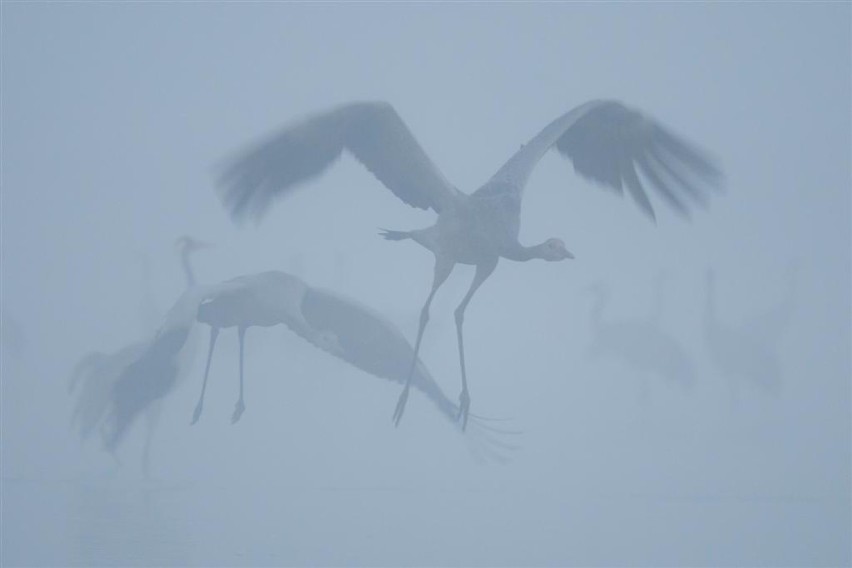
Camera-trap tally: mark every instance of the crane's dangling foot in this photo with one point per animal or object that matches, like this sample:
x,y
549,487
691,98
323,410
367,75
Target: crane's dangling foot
x,y
238,411
464,408
400,406
197,414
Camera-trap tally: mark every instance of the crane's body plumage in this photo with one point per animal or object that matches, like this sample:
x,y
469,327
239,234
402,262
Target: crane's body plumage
x,y
606,141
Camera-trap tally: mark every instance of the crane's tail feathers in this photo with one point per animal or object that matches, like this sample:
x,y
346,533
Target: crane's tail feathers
x,y
394,235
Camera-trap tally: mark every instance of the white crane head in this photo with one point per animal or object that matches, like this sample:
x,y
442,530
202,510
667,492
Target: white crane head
x,y
554,249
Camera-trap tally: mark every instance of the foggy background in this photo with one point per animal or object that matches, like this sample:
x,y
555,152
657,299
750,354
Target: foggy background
x,y
115,118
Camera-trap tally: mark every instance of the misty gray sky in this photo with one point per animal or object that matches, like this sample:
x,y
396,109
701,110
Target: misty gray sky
x,y
115,120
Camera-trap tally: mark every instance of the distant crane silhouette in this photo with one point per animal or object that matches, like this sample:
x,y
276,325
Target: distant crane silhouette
x,y
605,140
748,352
640,343
98,375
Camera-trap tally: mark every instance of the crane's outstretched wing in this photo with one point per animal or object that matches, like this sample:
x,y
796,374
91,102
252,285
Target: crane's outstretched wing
x,y
96,375
153,370
365,339
606,141
372,131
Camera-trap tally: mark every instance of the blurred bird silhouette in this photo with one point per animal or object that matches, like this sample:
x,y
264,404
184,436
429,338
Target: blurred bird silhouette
x,y
337,325
642,344
154,371
605,140
748,353
96,376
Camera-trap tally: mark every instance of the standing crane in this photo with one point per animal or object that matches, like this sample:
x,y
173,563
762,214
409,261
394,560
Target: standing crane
x,y
606,141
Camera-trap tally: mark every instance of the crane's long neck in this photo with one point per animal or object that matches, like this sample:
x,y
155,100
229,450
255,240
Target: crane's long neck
x,y
187,268
520,253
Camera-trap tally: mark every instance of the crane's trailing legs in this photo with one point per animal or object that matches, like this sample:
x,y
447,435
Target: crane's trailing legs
x,y
483,271
238,411
214,333
442,272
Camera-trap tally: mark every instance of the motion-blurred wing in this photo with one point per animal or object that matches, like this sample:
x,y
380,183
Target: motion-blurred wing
x,y
365,339
152,371
92,380
607,142
372,131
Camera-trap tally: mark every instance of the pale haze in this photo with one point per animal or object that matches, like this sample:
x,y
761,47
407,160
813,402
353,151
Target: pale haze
x,y
678,394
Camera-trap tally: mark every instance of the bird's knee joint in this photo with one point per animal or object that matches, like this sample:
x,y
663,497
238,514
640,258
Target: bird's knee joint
x,y
459,316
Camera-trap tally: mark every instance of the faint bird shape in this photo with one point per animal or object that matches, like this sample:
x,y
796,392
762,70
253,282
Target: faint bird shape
x,y
640,343
336,324
154,371
605,140
96,376
748,353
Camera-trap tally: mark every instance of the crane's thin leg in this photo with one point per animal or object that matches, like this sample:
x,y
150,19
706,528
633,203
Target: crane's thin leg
x,y
238,411
483,271
214,333
442,271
